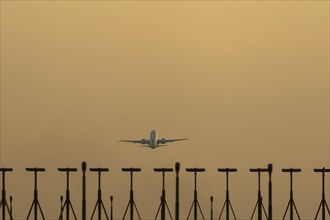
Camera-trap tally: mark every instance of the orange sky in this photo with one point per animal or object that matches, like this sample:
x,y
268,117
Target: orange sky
x,y
247,82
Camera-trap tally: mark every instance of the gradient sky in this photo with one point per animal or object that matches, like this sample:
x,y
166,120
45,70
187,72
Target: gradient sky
x,y
247,82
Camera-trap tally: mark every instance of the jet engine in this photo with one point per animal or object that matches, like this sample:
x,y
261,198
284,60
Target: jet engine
x,y
144,141
162,141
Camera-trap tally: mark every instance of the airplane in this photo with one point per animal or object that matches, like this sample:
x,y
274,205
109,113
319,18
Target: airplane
x,y
153,142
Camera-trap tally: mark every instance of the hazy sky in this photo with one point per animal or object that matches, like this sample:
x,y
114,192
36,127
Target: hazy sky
x,y
247,82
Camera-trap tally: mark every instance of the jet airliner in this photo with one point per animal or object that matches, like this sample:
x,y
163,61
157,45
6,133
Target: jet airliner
x,y
154,141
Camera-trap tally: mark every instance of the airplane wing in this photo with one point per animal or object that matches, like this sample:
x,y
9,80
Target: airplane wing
x,y
164,141
143,141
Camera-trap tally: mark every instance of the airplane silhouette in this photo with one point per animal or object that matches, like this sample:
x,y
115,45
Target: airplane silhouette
x,y
153,142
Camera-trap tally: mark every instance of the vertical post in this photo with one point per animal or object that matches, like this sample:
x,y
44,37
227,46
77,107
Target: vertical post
x,y
67,197
291,198
195,198
211,198
61,205
99,196
11,207
131,199
259,199
177,203
227,196
163,199
270,199
3,199
35,196
323,197
111,208
83,167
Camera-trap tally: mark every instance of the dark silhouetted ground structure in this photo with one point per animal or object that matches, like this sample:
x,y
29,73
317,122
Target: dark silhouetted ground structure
x,y
83,204
163,204
270,192
7,210
259,203
227,202
67,204
4,204
211,214
131,203
111,207
177,201
99,203
35,202
195,203
291,203
323,203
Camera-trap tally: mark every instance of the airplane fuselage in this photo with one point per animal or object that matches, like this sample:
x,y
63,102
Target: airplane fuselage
x,y
153,139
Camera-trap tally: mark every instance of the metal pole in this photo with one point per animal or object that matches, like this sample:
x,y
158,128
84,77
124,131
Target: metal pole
x,y
61,202
177,203
323,198
259,199
3,199
270,199
83,167
35,197
99,198
227,196
111,208
11,207
211,198
67,197
163,199
131,199
291,198
195,199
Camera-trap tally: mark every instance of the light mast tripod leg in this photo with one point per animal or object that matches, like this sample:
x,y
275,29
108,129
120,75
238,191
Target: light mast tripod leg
x,y
126,210
168,209
42,214
137,211
190,210
294,204
223,208
160,205
94,211
254,210
74,214
232,210
105,212
199,207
